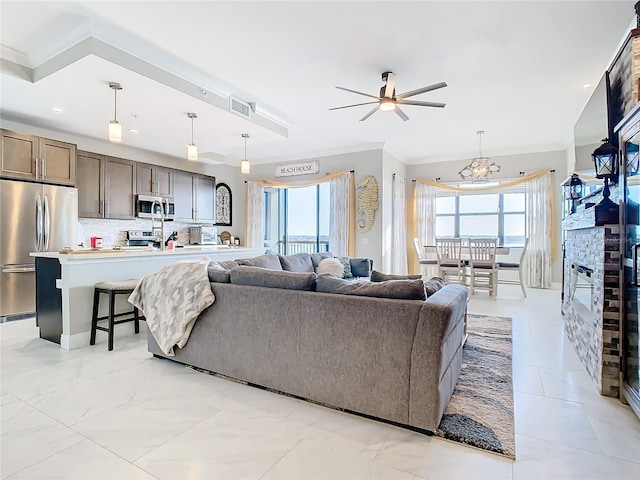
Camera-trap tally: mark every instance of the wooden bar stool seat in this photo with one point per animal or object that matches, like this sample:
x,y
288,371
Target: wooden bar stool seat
x,y
112,289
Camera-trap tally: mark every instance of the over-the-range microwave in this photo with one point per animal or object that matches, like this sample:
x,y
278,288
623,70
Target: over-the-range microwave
x,y
145,204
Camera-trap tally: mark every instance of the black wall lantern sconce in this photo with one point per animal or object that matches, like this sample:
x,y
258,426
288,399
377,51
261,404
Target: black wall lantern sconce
x,y
573,190
605,159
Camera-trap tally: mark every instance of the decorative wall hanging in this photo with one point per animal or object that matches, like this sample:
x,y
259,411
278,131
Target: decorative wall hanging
x,y
223,204
366,202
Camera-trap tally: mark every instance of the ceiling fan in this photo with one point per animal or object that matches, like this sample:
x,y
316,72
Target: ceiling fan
x,y
388,100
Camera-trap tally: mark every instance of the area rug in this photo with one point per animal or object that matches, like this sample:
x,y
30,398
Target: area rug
x,y
480,412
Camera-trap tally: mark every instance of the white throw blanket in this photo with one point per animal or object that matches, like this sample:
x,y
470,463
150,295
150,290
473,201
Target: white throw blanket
x,y
171,299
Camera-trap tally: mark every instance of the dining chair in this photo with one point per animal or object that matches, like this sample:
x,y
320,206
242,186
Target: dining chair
x,y
483,269
514,266
426,259
450,262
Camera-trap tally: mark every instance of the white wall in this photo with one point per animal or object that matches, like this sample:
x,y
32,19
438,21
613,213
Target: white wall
x,y
510,167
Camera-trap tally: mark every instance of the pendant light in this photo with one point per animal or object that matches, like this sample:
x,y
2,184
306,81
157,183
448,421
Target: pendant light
x,y
480,167
192,148
115,129
245,166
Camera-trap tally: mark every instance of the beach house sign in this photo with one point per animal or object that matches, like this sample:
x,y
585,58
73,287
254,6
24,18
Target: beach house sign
x,y
303,168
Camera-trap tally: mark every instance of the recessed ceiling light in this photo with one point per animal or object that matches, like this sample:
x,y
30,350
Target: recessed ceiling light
x,y
586,85
57,110
133,131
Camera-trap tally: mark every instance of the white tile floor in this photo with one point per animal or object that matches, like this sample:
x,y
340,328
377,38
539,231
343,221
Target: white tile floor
x,y
89,414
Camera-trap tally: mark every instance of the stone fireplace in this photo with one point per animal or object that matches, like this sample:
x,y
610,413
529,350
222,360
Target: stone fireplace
x,y
591,297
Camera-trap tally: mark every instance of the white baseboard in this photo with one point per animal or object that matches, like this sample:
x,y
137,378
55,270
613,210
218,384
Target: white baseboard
x,y
81,340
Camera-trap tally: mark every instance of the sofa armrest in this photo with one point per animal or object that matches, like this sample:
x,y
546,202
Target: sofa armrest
x,y
436,356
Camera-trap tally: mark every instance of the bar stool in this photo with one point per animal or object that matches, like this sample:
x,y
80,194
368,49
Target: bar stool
x,y
112,289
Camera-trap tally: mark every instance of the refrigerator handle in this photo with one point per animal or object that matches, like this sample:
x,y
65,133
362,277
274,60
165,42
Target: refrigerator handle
x,y
47,223
39,223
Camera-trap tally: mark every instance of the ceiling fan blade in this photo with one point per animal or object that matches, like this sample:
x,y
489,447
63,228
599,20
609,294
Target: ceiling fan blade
x,y
391,85
401,114
435,86
370,113
354,105
421,104
359,93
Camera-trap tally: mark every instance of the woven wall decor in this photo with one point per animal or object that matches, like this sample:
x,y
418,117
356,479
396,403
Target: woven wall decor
x,y
366,202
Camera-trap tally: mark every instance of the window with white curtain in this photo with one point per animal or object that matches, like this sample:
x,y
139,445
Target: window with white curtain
x,y
500,215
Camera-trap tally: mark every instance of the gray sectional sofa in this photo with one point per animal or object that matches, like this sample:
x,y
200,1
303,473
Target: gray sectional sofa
x,y
391,358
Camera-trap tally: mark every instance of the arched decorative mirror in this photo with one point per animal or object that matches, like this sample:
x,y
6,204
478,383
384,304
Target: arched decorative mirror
x,y
223,204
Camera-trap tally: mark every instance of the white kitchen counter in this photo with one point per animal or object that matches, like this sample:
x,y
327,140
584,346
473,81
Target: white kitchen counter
x,y
80,271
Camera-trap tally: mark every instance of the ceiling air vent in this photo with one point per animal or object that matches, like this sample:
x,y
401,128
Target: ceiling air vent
x,y
239,107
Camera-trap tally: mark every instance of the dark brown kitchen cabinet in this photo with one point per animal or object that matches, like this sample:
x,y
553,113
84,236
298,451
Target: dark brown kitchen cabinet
x,y
90,183
154,180
194,197
35,158
106,186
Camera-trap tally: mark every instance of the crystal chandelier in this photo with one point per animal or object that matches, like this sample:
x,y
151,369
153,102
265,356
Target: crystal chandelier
x,y
480,167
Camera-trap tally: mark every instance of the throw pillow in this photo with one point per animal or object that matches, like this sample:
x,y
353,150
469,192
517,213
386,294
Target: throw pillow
x,y
346,262
432,285
216,266
360,267
383,277
263,277
228,264
331,266
316,258
397,289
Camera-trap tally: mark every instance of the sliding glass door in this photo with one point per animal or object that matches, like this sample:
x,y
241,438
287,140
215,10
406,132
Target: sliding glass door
x,y
297,219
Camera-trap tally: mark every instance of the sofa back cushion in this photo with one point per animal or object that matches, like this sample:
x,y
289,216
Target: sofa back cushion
x,y
262,277
383,277
270,261
219,275
398,289
300,262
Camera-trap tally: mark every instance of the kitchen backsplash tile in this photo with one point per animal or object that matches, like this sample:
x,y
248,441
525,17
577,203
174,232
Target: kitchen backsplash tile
x,y
117,229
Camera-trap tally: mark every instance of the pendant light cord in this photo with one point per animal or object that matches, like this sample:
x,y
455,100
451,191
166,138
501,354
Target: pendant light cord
x,y
115,104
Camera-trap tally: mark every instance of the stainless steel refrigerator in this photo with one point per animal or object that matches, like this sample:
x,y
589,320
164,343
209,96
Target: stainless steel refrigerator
x,y
34,217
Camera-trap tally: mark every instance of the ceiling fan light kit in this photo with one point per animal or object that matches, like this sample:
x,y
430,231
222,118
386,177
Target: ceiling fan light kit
x,y
388,100
115,129
480,167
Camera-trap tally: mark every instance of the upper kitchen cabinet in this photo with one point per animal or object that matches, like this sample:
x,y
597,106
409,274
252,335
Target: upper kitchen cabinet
x,y
154,180
205,199
34,158
195,197
106,187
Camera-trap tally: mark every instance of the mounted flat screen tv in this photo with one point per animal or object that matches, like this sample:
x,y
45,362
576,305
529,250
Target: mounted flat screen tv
x,y
592,126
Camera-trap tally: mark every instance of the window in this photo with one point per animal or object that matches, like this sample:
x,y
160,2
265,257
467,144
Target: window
x,y
296,219
500,215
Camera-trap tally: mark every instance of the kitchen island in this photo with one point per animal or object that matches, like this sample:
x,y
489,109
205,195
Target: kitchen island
x,y
64,284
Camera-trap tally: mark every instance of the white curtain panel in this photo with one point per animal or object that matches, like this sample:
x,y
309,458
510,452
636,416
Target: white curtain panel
x,y
339,216
425,196
537,262
255,215
399,241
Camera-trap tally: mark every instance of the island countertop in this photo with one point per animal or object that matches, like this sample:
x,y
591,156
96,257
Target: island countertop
x,y
215,252
68,279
